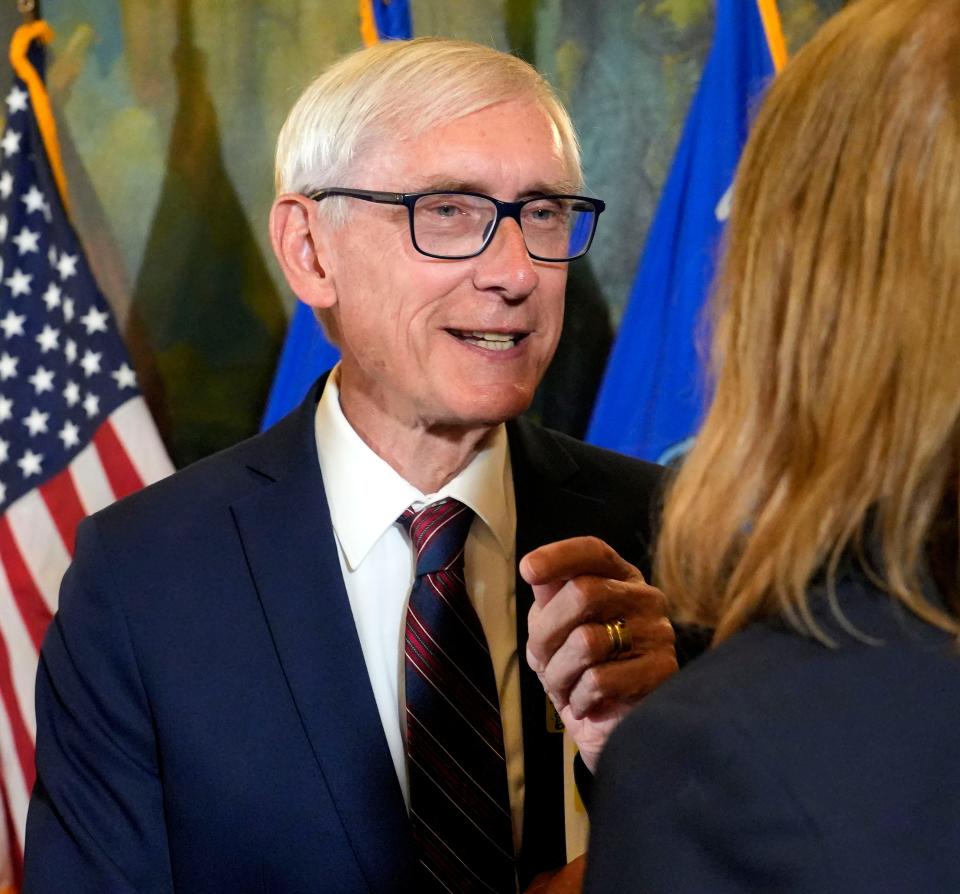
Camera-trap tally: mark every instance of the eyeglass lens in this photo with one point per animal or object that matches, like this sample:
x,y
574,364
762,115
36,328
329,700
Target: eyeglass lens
x,y
454,225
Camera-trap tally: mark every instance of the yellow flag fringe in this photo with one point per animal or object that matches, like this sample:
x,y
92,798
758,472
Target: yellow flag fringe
x,y
20,43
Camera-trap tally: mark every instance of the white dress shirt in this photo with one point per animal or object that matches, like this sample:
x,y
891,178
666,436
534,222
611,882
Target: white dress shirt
x,y
366,497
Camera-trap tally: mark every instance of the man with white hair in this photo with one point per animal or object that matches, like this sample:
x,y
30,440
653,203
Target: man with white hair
x,y
309,663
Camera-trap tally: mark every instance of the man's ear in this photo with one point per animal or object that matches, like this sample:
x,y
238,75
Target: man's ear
x,y
299,244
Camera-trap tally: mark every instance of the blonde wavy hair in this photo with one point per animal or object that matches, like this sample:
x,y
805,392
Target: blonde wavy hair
x,y
835,425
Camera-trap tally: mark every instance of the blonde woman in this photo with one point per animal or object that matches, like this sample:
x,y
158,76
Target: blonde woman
x,y
815,747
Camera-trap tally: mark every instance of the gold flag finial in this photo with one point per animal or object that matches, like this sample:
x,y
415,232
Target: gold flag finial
x,y
29,8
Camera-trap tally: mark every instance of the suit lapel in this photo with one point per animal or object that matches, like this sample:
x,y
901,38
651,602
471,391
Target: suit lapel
x,y
548,509
289,543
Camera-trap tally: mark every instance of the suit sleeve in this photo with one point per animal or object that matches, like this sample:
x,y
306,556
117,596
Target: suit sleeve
x,y
684,802
95,822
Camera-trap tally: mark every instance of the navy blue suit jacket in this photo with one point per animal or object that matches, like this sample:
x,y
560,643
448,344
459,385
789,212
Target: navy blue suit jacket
x,y
776,764
205,719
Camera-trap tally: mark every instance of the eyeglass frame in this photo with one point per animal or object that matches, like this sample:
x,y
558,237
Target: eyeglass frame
x,y
503,209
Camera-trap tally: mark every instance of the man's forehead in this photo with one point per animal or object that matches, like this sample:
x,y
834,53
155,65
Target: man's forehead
x,y
500,147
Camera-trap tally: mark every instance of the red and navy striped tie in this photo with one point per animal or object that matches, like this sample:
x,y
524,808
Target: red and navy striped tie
x,y
459,805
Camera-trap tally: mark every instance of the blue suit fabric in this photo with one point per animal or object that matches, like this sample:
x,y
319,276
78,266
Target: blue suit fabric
x,y
776,764
205,719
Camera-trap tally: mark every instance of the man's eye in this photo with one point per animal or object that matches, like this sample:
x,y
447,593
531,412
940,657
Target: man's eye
x,y
441,210
545,214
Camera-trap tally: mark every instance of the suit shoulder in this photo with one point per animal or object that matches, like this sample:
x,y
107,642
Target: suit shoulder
x,y
189,494
771,729
604,468
768,669
612,464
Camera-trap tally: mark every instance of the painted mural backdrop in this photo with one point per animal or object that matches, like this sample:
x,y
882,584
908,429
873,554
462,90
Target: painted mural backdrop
x,y
168,113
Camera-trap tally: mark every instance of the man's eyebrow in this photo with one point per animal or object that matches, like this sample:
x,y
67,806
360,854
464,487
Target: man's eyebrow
x,y
449,184
563,187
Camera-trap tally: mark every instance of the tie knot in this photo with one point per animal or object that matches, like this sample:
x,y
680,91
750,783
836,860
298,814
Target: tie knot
x,y
438,533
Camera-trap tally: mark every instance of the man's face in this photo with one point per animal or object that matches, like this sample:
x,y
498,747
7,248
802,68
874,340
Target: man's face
x,y
410,326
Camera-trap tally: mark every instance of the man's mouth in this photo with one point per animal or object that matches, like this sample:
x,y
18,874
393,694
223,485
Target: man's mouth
x,y
490,341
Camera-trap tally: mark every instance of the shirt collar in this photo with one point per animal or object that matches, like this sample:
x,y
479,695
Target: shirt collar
x,y
366,495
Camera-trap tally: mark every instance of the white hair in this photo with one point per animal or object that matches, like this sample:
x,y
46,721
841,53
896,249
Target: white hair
x,y
402,87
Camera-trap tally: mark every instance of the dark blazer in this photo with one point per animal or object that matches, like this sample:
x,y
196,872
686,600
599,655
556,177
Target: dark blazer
x,y
205,719
776,764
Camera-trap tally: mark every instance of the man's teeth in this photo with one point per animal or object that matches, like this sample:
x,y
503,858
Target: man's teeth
x,y
492,341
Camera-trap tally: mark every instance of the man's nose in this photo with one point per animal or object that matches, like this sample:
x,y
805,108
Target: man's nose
x,y
505,265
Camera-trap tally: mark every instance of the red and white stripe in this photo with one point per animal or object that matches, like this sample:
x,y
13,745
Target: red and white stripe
x,y
36,544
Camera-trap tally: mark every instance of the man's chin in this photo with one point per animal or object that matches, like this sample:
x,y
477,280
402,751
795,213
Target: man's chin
x,y
477,418
491,409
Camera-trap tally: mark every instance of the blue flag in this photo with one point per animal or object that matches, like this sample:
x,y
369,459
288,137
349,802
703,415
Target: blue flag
x,y
652,396
306,352
392,18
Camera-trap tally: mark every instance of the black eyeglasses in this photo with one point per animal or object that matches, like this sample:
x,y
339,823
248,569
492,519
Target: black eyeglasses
x,y
457,225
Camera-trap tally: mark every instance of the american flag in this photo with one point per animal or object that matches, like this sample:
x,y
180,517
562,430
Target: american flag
x,y
75,433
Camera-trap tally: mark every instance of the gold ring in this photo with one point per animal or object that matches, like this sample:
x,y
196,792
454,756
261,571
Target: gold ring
x,y
616,639
620,639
